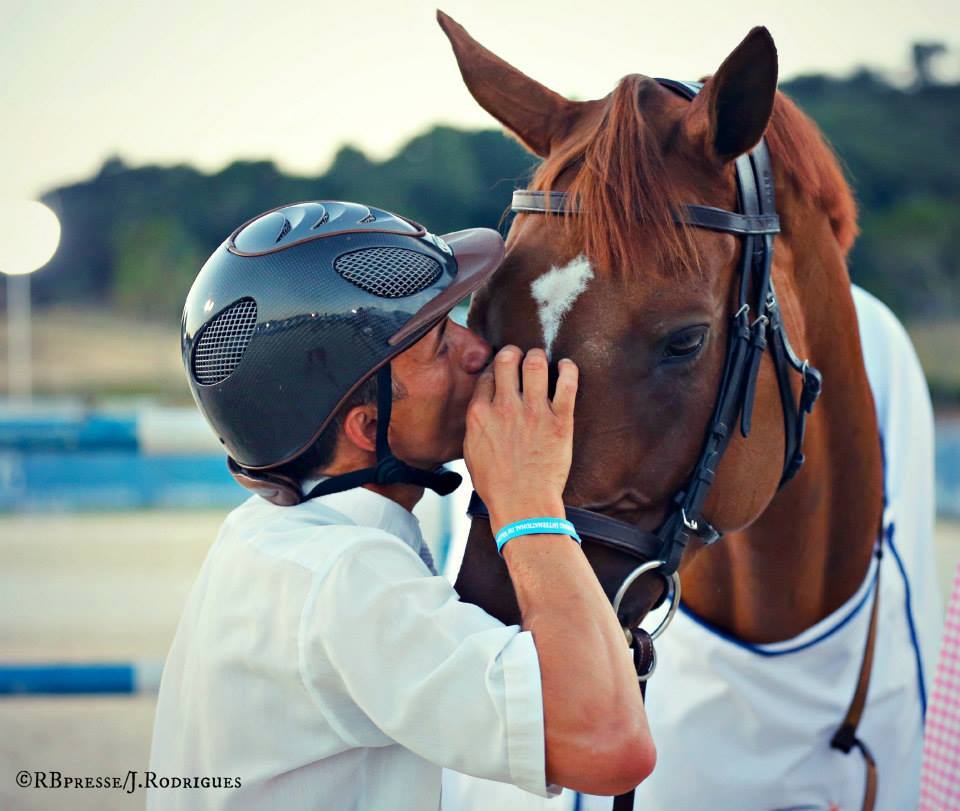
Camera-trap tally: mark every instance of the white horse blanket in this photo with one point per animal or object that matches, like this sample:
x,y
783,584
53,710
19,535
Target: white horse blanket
x,y
743,727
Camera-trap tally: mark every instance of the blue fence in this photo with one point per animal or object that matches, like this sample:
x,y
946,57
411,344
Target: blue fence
x,y
113,480
78,460
948,467
73,677
71,459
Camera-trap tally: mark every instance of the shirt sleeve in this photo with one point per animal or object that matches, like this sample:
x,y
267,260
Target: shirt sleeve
x,y
440,677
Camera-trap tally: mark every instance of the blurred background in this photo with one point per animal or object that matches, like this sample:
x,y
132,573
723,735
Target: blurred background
x,y
152,131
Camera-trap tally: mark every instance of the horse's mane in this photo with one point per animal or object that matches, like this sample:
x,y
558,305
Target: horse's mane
x,y
810,165
622,184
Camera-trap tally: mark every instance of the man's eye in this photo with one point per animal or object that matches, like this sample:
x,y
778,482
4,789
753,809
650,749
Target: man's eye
x,y
685,344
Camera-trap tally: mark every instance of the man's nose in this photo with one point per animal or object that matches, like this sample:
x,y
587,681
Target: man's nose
x,y
475,352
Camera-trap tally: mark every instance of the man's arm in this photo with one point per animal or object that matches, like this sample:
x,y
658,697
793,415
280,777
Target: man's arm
x,y
518,449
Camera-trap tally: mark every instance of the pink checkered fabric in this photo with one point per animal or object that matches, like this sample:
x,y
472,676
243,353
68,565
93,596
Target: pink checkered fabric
x,y
940,779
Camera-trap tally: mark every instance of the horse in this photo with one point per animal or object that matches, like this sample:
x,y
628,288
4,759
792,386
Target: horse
x,y
783,642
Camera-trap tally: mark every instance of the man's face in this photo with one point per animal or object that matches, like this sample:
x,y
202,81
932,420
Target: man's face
x,y
438,375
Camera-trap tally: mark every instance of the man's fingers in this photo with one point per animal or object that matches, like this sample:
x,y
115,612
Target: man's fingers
x,y
565,396
484,390
535,377
506,373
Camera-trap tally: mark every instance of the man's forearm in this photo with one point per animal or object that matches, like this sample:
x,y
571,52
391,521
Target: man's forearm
x,y
596,729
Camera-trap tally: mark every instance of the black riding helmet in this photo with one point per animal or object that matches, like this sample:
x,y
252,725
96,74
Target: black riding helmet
x,y
297,309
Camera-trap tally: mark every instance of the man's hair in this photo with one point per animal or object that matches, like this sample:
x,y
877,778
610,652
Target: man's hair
x,y
322,451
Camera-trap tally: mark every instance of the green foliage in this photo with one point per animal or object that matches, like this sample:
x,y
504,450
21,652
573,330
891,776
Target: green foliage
x,y
899,151
135,237
155,262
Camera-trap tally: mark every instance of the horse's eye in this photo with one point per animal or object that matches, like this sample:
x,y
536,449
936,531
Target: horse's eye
x,y
685,344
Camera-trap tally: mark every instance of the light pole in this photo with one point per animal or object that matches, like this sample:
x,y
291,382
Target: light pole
x,y
29,235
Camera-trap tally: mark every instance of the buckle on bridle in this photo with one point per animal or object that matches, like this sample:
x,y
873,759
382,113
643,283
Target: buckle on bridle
x,y
689,523
812,386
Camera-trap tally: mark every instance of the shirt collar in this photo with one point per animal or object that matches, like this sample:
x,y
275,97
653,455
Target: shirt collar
x,y
365,508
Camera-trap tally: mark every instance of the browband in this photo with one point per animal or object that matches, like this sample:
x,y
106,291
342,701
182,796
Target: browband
x,y
714,219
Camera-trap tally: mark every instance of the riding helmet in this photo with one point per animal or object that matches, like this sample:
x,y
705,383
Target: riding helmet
x,y
304,303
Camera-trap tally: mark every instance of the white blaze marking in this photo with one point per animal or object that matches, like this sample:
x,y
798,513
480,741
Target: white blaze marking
x,y
555,293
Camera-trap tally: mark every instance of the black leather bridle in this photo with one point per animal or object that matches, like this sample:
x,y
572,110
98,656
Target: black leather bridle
x,y
756,326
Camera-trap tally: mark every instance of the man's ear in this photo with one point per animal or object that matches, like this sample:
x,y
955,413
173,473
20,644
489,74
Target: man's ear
x,y
360,427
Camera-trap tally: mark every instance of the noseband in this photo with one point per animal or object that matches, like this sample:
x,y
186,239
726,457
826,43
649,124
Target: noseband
x,y
757,325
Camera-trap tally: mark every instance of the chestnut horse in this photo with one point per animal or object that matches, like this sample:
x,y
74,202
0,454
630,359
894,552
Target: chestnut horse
x,y
644,306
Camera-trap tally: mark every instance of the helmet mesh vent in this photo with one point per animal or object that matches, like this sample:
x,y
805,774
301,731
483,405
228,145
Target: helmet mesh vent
x,y
223,342
388,272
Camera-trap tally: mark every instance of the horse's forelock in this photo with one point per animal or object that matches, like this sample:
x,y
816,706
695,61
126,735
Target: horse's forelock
x,y
627,197
625,193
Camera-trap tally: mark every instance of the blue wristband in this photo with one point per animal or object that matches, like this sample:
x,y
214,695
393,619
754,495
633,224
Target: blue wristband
x,y
535,526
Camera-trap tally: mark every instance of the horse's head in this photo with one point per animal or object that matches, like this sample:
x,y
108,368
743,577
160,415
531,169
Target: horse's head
x,y
643,305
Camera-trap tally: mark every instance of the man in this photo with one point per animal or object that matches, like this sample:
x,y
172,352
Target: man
x,y
320,662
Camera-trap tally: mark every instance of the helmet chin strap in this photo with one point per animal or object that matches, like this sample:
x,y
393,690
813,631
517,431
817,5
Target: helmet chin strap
x,y
389,469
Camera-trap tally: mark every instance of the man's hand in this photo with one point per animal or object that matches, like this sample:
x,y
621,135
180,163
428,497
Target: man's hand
x,y
519,444
518,448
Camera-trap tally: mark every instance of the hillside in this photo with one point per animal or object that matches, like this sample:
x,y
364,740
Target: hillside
x,y
134,237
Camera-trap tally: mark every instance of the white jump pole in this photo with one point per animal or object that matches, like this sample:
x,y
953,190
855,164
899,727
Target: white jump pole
x,y
29,236
19,366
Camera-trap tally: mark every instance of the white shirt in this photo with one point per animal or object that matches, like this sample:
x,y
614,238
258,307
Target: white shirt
x,y
319,661
747,727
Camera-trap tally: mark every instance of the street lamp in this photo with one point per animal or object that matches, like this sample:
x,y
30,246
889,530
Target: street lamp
x,y
29,235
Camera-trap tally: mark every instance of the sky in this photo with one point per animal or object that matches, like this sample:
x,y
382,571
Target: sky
x,y
210,81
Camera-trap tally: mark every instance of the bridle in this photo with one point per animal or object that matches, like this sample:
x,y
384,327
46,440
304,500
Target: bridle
x,y
757,325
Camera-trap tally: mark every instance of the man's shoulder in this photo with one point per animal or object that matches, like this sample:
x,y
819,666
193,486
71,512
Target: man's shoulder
x,y
305,536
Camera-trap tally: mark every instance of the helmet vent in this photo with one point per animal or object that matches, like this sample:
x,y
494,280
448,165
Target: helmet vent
x,y
223,342
284,229
388,272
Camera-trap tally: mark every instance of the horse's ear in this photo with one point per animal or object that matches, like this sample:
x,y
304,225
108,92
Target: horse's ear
x,y
534,113
731,113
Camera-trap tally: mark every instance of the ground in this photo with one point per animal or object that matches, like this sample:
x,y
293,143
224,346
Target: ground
x,y
100,586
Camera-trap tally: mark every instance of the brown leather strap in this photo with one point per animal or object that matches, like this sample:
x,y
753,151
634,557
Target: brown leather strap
x,y
845,738
644,656
870,791
623,802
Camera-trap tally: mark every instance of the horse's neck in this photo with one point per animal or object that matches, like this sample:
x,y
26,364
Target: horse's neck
x,y
810,549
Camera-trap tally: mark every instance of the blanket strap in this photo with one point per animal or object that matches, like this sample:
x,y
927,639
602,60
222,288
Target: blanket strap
x,y
845,738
